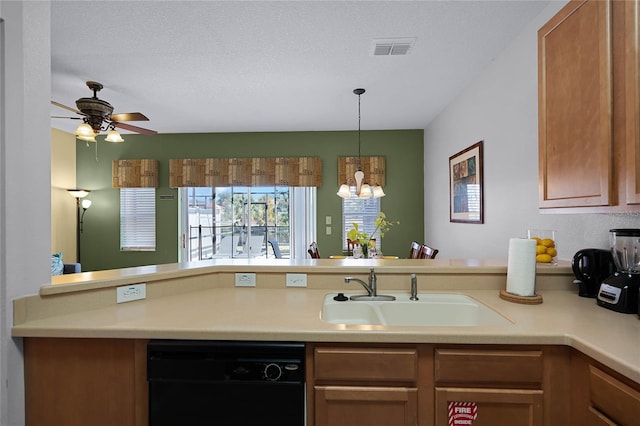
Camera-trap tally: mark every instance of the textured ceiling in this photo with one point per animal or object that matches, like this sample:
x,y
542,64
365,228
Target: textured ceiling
x,y
244,66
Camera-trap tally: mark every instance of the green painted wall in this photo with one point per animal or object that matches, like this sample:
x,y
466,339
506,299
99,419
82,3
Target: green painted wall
x,y
403,150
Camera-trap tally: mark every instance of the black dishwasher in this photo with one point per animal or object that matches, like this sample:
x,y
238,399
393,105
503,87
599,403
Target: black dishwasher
x,y
225,383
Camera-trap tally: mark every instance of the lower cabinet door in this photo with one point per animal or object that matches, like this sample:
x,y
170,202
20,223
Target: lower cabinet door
x,y
488,407
366,406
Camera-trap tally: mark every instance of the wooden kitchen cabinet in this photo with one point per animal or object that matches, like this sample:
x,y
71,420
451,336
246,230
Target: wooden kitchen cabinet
x,y
632,100
601,396
363,385
589,159
502,385
80,382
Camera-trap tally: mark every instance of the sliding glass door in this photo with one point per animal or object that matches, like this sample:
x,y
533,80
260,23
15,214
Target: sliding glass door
x,y
235,222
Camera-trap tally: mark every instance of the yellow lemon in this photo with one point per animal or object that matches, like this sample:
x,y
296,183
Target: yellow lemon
x,y
548,242
538,240
544,258
552,252
540,249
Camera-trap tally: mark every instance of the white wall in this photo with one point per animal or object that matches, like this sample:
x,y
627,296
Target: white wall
x,y
25,206
501,108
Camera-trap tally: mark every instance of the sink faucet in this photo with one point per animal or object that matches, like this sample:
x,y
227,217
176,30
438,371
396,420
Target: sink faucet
x,y
371,287
372,290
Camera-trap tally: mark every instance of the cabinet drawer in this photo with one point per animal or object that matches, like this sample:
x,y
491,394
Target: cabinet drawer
x,y
366,405
613,398
366,364
488,367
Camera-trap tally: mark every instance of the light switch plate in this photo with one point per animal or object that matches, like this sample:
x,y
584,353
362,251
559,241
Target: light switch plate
x,y
245,280
327,220
328,230
129,293
296,280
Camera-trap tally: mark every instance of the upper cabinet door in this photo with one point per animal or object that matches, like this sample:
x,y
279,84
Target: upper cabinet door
x,y
575,107
632,92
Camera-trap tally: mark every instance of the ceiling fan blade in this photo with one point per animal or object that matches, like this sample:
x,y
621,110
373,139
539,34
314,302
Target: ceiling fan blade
x,y
134,128
58,104
70,118
129,116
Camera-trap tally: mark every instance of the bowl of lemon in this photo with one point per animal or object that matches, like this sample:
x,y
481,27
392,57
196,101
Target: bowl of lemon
x,y
546,247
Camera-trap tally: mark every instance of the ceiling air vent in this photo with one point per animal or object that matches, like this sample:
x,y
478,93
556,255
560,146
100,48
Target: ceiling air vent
x,y
392,46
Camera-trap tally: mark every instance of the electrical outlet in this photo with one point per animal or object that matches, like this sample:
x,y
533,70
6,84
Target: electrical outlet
x,y
296,280
128,293
245,280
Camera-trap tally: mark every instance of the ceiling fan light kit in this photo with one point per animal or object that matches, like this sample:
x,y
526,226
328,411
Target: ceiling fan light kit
x,y
97,116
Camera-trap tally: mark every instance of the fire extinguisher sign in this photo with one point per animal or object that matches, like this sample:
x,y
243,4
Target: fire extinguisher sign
x,y
462,413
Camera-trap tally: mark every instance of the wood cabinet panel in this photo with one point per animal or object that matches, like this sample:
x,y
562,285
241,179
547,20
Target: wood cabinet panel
x,y
632,105
488,367
366,405
494,406
614,399
79,382
366,364
575,107
600,396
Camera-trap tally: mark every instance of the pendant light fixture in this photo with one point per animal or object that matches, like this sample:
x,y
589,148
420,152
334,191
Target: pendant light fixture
x,y
363,190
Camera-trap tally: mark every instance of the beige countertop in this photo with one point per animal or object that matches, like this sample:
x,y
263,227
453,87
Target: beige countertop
x,y
199,301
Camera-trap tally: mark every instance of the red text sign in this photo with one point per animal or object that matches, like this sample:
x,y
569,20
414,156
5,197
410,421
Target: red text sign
x,y
462,413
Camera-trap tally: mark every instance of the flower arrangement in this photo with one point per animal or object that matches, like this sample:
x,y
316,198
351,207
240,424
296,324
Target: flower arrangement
x,y
367,241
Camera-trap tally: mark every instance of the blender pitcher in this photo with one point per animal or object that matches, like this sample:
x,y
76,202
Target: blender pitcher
x,y
619,291
625,245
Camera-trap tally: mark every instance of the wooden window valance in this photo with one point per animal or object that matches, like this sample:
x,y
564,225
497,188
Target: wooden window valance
x,y
278,171
373,168
134,173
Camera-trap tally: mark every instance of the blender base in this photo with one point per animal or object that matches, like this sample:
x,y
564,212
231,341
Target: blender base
x,y
619,292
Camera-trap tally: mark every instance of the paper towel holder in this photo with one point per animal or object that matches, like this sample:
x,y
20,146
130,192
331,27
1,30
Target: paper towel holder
x,y
536,299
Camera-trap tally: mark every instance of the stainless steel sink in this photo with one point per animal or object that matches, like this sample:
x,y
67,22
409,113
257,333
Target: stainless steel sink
x,y
431,309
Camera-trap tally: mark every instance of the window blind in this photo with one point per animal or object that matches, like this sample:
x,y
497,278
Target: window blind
x,y
364,212
137,219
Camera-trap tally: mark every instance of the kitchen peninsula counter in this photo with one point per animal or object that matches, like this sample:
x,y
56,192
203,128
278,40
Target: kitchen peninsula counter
x,y
199,301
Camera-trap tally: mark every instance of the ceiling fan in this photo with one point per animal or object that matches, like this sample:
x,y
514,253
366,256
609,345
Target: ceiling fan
x,y
97,117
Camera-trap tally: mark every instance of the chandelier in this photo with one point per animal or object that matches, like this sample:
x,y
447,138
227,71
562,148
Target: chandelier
x,y
363,189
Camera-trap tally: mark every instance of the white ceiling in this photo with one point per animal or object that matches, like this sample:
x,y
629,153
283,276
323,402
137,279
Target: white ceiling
x,y
244,66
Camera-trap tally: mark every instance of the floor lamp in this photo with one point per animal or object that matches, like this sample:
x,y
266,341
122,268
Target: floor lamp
x,y
79,194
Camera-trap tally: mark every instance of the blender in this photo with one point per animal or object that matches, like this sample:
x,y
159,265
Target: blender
x,y
619,292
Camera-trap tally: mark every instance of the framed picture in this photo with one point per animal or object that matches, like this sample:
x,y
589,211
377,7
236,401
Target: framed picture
x,y
465,185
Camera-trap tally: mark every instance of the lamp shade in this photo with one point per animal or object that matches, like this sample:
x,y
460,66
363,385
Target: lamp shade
x,y
86,204
378,192
365,191
113,136
78,193
91,138
344,191
84,130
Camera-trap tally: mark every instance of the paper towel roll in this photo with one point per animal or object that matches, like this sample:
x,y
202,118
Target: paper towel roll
x,y
521,267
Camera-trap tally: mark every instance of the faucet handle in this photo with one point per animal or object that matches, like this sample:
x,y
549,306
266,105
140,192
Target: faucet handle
x,y
414,287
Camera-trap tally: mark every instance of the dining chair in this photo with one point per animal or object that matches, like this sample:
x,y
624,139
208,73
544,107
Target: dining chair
x,y
427,252
415,250
313,251
276,249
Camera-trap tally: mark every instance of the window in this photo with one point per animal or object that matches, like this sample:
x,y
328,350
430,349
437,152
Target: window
x,y
364,212
137,219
